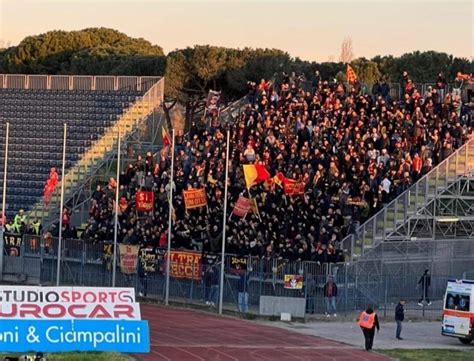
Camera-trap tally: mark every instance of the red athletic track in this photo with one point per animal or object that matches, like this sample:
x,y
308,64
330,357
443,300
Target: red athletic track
x,y
179,334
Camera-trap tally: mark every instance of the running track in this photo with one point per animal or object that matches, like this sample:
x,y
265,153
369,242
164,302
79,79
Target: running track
x,y
186,335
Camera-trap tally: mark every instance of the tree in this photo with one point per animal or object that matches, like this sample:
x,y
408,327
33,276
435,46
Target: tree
x,y
347,53
88,51
367,71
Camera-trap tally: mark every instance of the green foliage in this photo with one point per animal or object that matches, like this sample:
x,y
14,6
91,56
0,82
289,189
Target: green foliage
x,y
423,67
191,72
89,51
428,354
367,71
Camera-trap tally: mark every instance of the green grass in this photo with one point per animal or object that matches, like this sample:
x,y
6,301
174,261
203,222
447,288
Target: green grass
x,y
431,355
82,356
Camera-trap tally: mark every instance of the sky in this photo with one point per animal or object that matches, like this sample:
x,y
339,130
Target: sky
x,y
311,29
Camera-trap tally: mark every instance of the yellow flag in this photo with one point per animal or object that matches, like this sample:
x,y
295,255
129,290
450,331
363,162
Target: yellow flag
x,y
250,174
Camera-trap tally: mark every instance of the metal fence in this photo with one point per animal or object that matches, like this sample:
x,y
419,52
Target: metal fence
x,y
77,82
84,264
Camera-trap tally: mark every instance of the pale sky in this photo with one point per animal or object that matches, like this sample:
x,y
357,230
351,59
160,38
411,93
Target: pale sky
x,y
311,29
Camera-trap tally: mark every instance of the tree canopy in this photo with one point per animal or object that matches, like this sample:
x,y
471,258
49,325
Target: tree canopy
x,y
191,72
88,51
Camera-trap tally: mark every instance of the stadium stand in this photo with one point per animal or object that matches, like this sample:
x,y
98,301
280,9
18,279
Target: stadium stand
x,y
36,118
353,151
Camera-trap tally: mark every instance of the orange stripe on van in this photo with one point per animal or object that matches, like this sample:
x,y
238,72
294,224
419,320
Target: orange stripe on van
x,y
455,313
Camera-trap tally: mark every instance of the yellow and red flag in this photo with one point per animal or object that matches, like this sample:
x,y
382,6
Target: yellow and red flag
x,y
166,137
254,174
350,75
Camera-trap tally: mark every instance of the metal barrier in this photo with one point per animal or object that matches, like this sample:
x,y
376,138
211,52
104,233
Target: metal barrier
x,y
77,82
89,264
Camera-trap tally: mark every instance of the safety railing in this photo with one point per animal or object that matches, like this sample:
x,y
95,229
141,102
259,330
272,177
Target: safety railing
x,y
77,82
376,229
99,152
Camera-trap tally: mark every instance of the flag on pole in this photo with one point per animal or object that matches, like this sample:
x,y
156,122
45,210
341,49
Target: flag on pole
x,y
350,75
166,137
254,208
242,207
254,174
279,179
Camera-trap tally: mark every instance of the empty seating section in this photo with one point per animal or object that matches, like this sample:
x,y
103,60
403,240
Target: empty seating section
x,y
36,120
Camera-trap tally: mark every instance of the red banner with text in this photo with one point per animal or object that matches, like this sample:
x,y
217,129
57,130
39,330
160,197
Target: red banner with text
x,y
195,198
145,201
185,264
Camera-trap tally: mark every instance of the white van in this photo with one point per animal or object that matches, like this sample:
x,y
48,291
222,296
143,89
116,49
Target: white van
x,y
458,310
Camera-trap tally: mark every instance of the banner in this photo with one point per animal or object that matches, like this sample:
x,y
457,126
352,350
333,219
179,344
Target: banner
x,y
74,335
38,294
12,244
351,76
149,259
293,188
128,258
293,282
238,263
69,310
195,198
60,319
185,264
242,207
213,99
145,201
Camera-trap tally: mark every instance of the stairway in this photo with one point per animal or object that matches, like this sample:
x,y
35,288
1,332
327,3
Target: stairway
x,y
99,152
386,223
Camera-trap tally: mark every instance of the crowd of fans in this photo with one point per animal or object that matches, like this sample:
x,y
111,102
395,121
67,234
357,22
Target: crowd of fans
x,y
354,151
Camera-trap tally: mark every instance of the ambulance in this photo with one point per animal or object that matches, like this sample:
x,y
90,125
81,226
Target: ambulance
x,y
458,310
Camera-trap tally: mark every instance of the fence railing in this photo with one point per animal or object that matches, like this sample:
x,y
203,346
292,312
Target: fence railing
x,y
77,82
376,229
89,264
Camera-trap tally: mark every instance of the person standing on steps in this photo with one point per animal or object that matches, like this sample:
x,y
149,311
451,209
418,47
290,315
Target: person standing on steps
x,y
399,317
368,322
425,282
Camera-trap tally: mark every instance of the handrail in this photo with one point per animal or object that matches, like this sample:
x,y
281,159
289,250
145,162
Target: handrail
x,y
446,162
130,117
77,82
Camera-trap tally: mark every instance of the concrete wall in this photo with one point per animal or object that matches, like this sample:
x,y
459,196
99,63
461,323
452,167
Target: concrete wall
x,y
274,306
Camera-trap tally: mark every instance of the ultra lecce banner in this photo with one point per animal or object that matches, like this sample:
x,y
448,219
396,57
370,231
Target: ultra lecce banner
x,y
195,198
185,265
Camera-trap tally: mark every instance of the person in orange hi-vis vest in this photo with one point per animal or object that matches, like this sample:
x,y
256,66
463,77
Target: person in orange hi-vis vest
x,y
368,321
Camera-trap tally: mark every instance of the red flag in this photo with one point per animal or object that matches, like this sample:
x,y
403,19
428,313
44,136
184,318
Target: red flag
x,y
166,137
262,173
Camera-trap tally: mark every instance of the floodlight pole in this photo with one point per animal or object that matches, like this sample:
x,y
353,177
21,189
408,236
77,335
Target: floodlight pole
x,y
224,224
